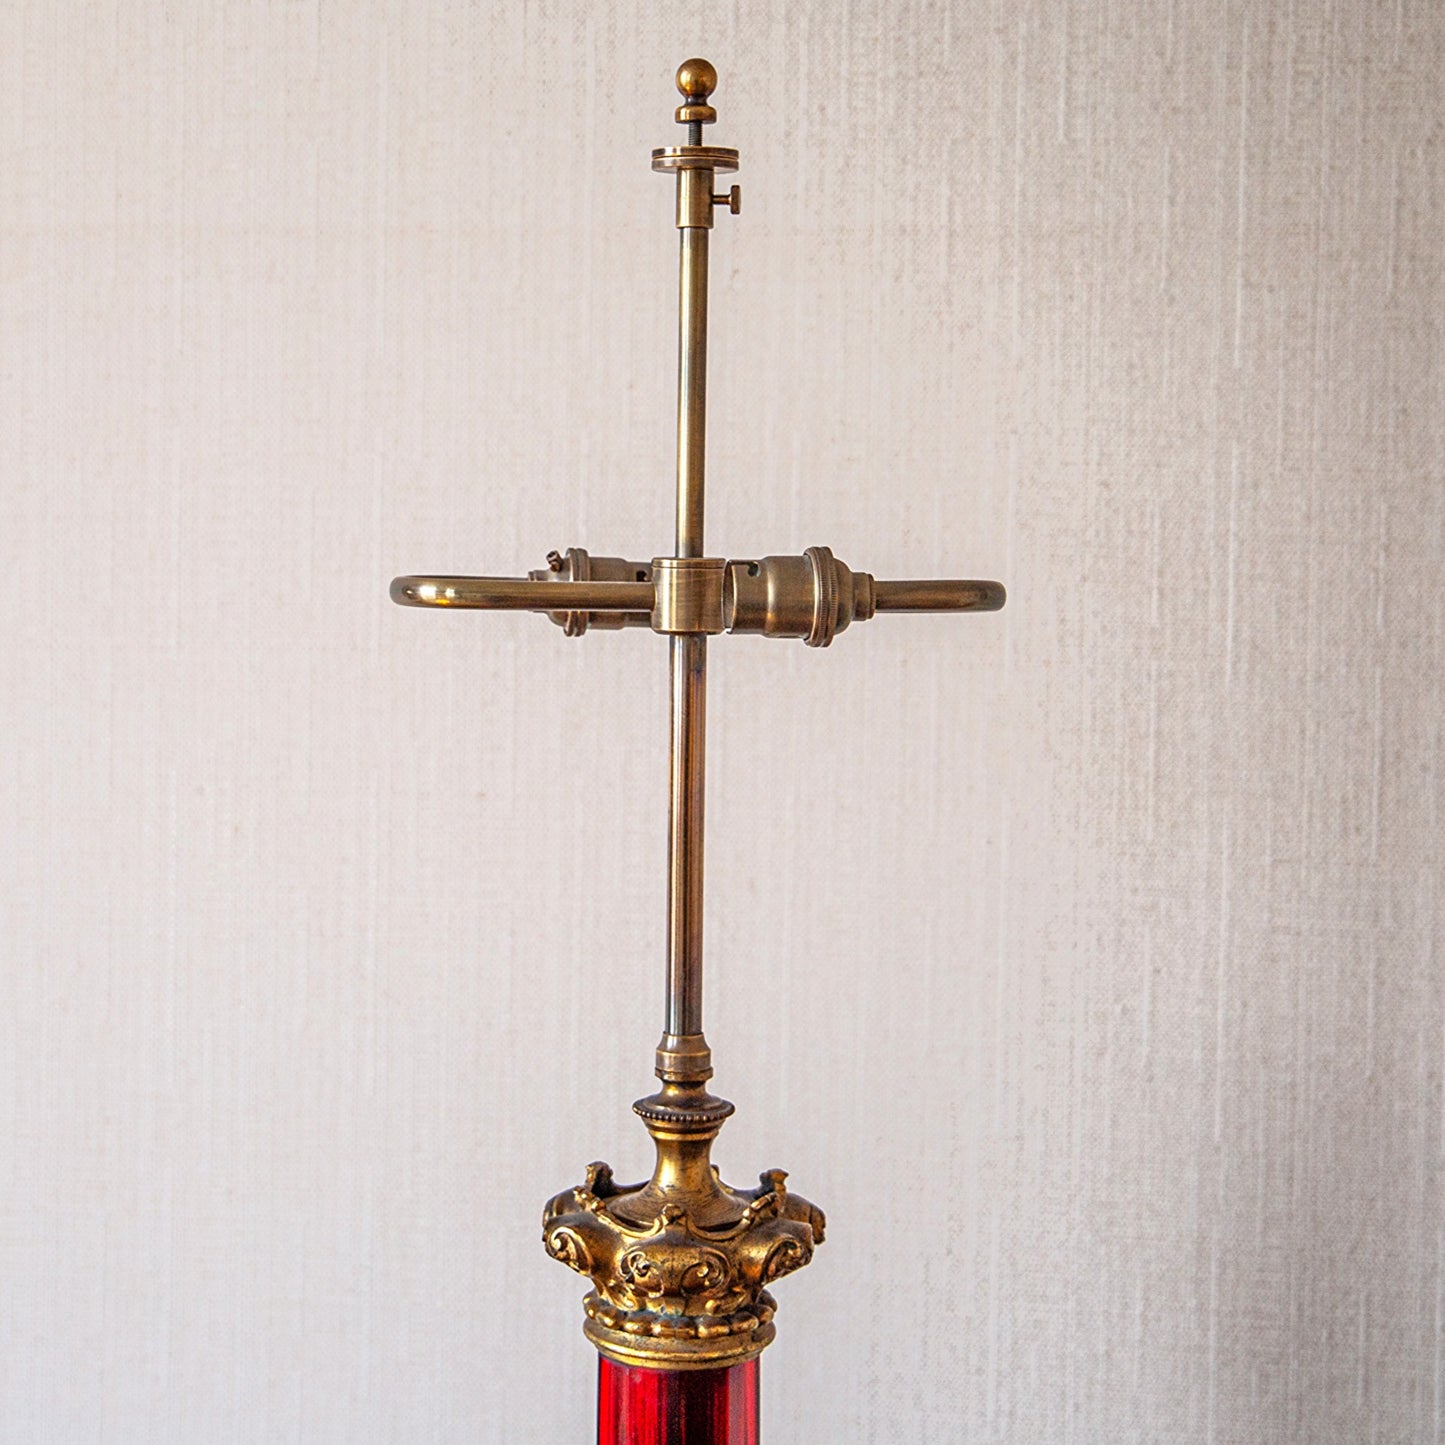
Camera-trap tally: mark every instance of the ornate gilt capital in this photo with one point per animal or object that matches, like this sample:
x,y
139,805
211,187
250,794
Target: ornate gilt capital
x,y
680,1265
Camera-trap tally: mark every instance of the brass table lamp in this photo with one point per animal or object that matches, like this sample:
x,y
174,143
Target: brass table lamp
x,y
680,1265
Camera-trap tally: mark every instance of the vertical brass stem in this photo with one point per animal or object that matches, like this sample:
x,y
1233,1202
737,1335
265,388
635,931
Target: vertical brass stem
x,y
685,860
691,383
688,656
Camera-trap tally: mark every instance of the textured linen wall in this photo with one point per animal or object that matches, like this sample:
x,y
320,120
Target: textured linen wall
x,y
1080,961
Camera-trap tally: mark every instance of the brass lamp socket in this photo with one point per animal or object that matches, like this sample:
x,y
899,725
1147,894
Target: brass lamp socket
x,y
578,565
814,596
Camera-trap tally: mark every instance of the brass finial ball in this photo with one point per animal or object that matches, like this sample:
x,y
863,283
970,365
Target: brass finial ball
x,y
696,79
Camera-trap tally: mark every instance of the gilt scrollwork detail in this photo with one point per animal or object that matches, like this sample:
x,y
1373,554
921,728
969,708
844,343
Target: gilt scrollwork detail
x,y
708,1277
640,1273
568,1246
785,1256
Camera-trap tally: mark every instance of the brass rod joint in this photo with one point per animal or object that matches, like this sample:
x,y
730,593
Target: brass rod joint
x,y
689,595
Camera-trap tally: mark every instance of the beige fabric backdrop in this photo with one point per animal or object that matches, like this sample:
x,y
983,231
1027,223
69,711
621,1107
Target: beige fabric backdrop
x,y
1081,961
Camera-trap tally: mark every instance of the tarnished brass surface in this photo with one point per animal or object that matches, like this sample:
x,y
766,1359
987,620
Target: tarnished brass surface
x,y
688,594
680,1264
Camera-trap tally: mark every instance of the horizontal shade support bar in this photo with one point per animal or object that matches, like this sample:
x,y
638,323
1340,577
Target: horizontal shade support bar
x,y
813,596
938,596
519,594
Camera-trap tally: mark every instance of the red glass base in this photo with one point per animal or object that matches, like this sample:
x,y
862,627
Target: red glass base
x,y
677,1407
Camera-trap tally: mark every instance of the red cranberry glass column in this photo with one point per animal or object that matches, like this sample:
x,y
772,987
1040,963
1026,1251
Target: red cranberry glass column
x,y
677,1407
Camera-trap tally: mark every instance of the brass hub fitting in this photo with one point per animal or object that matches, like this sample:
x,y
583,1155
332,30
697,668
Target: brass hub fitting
x,y
688,594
